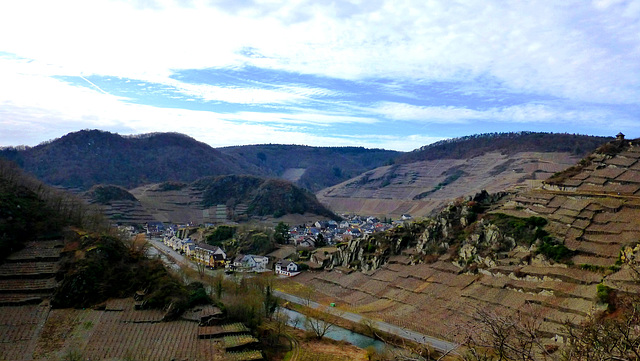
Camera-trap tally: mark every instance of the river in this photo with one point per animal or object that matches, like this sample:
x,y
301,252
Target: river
x,y
297,320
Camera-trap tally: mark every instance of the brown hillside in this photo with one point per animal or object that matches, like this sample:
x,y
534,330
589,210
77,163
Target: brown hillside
x,y
465,265
420,187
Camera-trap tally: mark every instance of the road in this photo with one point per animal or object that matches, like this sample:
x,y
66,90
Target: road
x,y
437,344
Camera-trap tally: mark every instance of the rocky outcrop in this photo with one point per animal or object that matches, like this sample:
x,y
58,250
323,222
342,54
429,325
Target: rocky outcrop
x,y
456,225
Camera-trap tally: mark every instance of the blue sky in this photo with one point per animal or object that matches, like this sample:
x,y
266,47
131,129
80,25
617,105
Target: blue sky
x,y
374,73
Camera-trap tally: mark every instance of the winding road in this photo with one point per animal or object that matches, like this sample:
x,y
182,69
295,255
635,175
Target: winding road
x,y
439,345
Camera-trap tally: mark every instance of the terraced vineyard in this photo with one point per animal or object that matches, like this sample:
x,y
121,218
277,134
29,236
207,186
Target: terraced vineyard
x,y
594,211
243,356
234,341
28,275
19,330
419,188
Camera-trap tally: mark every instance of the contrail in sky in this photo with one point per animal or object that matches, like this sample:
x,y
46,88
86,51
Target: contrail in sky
x,y
97,87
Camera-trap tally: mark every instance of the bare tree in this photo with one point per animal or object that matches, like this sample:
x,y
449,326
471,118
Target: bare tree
x,y
608,335
307,294
502,336
201,268
320,323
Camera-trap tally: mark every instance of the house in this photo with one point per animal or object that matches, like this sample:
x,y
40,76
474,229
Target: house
x,y
187,246
251,263
406,217
307,242
287,268
211,256
283,252
354,232
154,229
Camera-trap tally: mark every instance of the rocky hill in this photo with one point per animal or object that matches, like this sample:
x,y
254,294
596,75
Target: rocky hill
x,y
90,157
556,253
428,178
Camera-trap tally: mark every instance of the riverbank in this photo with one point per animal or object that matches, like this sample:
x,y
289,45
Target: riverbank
x,y
393,343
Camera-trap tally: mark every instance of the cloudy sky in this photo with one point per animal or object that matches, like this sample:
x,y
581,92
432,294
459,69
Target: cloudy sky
x,y
394,74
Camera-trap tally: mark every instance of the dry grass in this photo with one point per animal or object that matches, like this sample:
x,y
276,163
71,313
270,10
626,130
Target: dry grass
x,y
328,350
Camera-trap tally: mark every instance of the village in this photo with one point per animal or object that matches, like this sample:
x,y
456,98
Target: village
x,y
306,246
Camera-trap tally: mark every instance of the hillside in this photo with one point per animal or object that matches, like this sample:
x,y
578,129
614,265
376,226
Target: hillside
x,y
261,196
426,179
90,157
118,204
59,253
224,198
312,168
554,253
506,143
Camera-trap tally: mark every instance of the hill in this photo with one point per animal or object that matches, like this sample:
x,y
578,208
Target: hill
x,y
554,255
57,252
90,157
227,198
312,168
118,204
506,143
261,196
426,179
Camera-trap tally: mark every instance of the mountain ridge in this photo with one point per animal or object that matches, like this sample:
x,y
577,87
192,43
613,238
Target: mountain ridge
x,y
427,179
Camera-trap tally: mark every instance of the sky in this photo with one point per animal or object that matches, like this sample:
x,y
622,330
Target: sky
x,y
392,74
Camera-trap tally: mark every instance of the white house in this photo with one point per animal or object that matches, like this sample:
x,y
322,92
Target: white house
x,y
251,263
287,268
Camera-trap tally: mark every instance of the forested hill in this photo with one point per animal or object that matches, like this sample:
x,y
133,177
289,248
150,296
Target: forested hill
x,y
505,143
262,196
89,157
312,168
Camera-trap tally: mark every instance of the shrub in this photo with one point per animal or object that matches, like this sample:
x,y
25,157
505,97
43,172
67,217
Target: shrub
x,y
604,293
555,251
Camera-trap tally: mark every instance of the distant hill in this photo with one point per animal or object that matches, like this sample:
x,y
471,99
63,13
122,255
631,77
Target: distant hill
x,y
263,197
312,168
118,204
505,143
89,157
425,179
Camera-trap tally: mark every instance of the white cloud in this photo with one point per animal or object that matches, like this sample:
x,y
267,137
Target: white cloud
x,y
568,49
572,51
301,118
525,113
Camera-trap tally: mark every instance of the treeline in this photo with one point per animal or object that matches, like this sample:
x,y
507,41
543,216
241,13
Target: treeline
x,y
506,143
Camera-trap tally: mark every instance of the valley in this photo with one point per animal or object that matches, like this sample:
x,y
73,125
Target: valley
x,y
516,234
